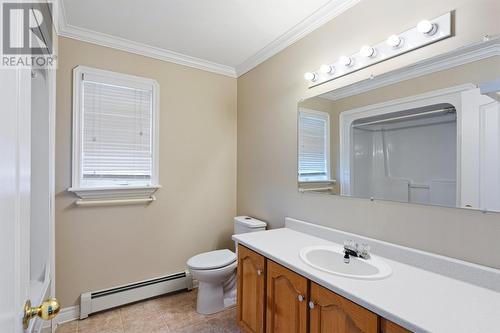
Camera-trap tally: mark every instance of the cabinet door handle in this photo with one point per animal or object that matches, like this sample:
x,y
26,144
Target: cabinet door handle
x,y
259,272
300,298
311,305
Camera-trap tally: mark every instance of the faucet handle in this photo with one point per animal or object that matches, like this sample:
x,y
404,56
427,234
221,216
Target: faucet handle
x,y
350,244
364,250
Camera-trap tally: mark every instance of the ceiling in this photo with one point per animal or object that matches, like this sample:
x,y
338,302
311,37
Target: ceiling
x,y
229,37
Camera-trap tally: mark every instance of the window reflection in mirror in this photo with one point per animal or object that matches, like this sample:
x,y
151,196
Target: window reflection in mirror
x,y
314,146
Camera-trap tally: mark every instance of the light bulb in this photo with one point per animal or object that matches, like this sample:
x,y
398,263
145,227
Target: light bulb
x,y
426,27
346,61
326,69
367,51
394,41
310,76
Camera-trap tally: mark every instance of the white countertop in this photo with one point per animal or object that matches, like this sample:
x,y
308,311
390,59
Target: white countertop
x,y
417,299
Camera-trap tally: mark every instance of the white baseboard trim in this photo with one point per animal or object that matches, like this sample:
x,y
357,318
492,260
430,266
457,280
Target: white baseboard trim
x,y
73,313
68,314
46,328
65,315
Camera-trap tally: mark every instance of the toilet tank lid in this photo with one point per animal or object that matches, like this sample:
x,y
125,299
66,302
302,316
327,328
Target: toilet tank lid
x,y
249,222
212,260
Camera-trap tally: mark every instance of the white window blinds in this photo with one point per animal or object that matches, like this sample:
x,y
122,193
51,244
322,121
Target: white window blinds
x,y
314,149
117,126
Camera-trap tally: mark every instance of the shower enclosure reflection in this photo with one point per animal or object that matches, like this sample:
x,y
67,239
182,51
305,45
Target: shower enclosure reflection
x,y
410,157
433,139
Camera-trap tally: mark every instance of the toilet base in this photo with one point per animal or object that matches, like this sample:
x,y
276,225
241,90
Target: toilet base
x,y
211,298
215,297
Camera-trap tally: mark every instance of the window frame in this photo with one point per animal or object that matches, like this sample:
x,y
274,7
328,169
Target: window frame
x,y
327,148
122,191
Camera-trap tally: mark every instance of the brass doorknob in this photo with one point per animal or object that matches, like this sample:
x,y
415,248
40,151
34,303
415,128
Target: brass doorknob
x,y
47,310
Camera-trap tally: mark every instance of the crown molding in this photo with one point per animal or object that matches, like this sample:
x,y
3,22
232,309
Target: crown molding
x,y
308,25
457,57
123,44
317,19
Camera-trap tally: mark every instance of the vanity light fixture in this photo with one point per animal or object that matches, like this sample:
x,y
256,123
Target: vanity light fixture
x,y
427,27
394,41
346,61
311,77
326,69
367,51
419,35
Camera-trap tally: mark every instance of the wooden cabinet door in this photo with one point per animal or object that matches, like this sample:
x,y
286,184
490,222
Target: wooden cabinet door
x,y
286,300
387,326
330,312
251,290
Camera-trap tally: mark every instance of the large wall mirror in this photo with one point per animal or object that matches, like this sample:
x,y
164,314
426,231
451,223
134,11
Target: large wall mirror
x,y
426,134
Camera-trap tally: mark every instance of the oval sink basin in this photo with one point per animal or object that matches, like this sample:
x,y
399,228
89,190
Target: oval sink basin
x,y
330,259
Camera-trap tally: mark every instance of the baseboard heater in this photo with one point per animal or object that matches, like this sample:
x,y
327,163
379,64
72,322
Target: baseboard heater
x,y
95,301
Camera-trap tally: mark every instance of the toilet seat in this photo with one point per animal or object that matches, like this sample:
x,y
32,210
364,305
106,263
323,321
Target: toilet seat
x,y
212,260
215,271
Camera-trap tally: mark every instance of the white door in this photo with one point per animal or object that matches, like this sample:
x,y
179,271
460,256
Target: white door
x,y
14,197
42,190
26,192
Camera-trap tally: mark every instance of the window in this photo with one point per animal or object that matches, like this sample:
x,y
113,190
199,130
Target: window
x,y
115,134
314,146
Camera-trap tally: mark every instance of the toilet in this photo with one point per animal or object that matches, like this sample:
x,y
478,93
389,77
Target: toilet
x,y
216,271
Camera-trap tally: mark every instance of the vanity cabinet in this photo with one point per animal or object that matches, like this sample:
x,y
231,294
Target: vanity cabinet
x,y
274,299
251,290
286,300
330,312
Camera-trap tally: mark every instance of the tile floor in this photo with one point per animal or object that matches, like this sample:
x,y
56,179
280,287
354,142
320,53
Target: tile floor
x,y
168,314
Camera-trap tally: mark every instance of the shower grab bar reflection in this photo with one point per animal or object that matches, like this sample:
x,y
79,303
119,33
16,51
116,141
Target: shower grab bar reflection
x,y
449,110
424,186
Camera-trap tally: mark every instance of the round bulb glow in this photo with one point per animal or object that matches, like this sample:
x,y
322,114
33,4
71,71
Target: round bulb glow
x,y
394,41
346,61
310,76
326,69
426,27
367,51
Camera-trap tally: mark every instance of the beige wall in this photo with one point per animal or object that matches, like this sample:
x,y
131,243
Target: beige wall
x,y
267,106
102,247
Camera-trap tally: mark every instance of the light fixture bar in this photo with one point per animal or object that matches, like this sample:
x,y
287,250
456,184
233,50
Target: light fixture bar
x,y
424,33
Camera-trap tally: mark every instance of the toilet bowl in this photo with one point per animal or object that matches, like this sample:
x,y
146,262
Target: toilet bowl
x,y
215,271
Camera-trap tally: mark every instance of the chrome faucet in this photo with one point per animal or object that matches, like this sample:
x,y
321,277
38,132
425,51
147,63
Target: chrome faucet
x,y
351,248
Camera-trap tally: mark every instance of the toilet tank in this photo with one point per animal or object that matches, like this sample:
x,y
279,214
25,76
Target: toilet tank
x,y
244,224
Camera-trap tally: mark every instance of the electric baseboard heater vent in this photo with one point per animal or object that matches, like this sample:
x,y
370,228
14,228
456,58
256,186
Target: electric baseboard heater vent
x,y
95,301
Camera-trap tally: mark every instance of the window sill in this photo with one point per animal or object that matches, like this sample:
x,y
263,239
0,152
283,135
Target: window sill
x,y
115,193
